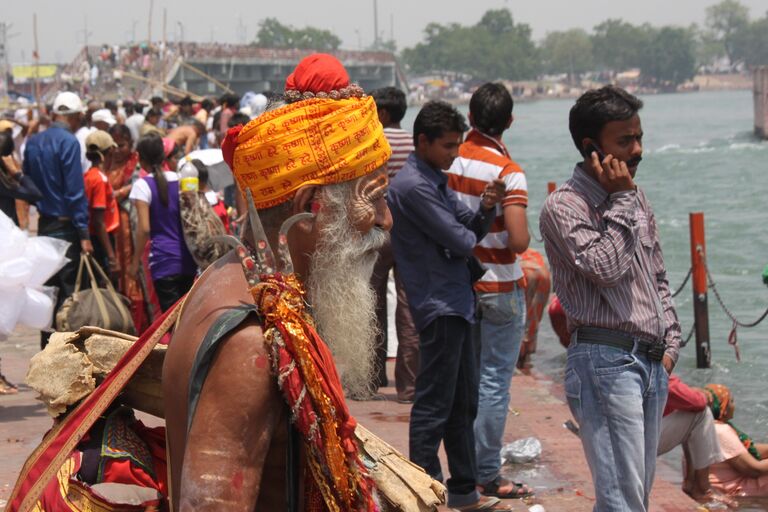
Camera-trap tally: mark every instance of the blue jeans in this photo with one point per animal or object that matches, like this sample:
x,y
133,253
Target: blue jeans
x,y
500,334
618,398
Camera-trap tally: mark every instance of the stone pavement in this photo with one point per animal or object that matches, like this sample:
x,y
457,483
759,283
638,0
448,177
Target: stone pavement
x,y
560,478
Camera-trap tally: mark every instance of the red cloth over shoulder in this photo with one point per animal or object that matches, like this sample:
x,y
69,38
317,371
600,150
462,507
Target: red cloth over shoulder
x,y
683,398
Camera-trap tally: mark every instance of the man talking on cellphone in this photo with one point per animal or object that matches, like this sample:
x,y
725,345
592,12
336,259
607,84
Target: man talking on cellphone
x,y
608,271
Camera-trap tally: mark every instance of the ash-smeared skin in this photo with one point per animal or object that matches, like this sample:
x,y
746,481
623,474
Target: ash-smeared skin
x,y
368,197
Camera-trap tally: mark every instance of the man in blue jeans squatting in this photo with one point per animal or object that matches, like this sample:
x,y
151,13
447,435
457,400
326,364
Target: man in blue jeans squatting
x,y
603,246
483,157
433,236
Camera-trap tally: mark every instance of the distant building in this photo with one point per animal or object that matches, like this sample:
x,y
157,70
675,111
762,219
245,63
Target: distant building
x,y
136,70
248,68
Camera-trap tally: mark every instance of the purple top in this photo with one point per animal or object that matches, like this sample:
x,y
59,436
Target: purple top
x,y
168,254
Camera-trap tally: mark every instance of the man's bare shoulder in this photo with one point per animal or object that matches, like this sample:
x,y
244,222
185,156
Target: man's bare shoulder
x,y
180,132
219,289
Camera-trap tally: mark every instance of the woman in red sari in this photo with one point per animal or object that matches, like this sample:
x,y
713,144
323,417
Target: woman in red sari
x,y
121,176
538,285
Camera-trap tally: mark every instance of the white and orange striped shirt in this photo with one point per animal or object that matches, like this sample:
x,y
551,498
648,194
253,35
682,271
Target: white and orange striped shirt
x,y
481,160
401,143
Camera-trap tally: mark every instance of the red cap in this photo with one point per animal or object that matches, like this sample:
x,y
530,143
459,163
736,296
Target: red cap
x,y
316,73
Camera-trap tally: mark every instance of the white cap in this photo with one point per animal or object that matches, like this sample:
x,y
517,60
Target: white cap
x,y
105,115
67,103
258,104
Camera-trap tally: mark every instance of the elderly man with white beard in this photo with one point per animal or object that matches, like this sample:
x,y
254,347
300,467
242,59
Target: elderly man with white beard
x,y
262,424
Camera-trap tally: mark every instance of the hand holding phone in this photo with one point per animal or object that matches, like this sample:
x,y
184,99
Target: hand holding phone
x,y
612,174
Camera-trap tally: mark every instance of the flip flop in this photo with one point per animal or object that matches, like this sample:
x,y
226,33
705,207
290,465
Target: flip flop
x,y
492,489
6,388
484,504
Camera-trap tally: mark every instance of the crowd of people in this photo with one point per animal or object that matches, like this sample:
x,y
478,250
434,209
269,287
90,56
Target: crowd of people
x,y
470,292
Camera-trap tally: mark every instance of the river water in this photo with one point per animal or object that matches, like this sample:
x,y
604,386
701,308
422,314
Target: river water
x,y
700,155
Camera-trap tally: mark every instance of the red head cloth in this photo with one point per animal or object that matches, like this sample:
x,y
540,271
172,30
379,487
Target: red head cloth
x,y
318,72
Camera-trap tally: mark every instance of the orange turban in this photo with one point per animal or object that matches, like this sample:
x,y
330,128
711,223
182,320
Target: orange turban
x,y
316,141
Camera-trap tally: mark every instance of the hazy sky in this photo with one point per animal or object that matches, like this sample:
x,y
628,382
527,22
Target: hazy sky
x,y
61,22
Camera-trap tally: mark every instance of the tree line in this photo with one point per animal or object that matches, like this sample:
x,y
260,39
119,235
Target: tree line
x,y
497,47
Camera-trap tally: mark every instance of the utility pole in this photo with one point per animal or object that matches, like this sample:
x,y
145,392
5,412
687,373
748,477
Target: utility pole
x,y
181,37
4,27
149,22
242,31
85,32
163,78
375,25
36,56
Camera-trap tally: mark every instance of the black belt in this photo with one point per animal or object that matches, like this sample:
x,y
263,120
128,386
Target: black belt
x,y
653,350
54,217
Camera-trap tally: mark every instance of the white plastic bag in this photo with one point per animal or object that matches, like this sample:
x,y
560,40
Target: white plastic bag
x,y
15,272
11,303
25,264
12,239
48,255
38,307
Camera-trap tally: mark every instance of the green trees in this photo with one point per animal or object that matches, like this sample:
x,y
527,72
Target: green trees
x,y
618,45
273,34
569,51
669,59
495,47
731,32
751,43
726,20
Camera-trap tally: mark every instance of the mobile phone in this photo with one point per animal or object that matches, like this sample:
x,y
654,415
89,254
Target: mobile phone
x,y
593,147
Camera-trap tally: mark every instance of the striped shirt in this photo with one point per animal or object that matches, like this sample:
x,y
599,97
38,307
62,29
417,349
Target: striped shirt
x,y
401,143
607,266
482,159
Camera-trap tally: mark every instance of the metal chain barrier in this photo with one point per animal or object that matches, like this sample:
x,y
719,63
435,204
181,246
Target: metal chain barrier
x,y
732,337
682,286
690,335
736,321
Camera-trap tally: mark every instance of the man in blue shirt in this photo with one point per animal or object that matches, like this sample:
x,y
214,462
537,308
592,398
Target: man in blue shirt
x,y
52,161
433,237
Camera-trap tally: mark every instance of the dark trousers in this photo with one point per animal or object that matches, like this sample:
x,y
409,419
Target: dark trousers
x,y
445,404
65,278
407,362
170,289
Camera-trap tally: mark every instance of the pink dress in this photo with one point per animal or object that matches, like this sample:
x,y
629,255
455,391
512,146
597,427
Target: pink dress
x,y
727,480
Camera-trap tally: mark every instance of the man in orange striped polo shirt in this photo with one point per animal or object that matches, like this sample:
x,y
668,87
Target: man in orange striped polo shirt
x,y
500,292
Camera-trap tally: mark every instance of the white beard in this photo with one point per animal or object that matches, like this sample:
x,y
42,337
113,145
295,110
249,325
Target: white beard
x,y
343,302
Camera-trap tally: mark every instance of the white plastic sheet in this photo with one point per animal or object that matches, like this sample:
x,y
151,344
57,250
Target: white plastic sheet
x,y
521,451
26,262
